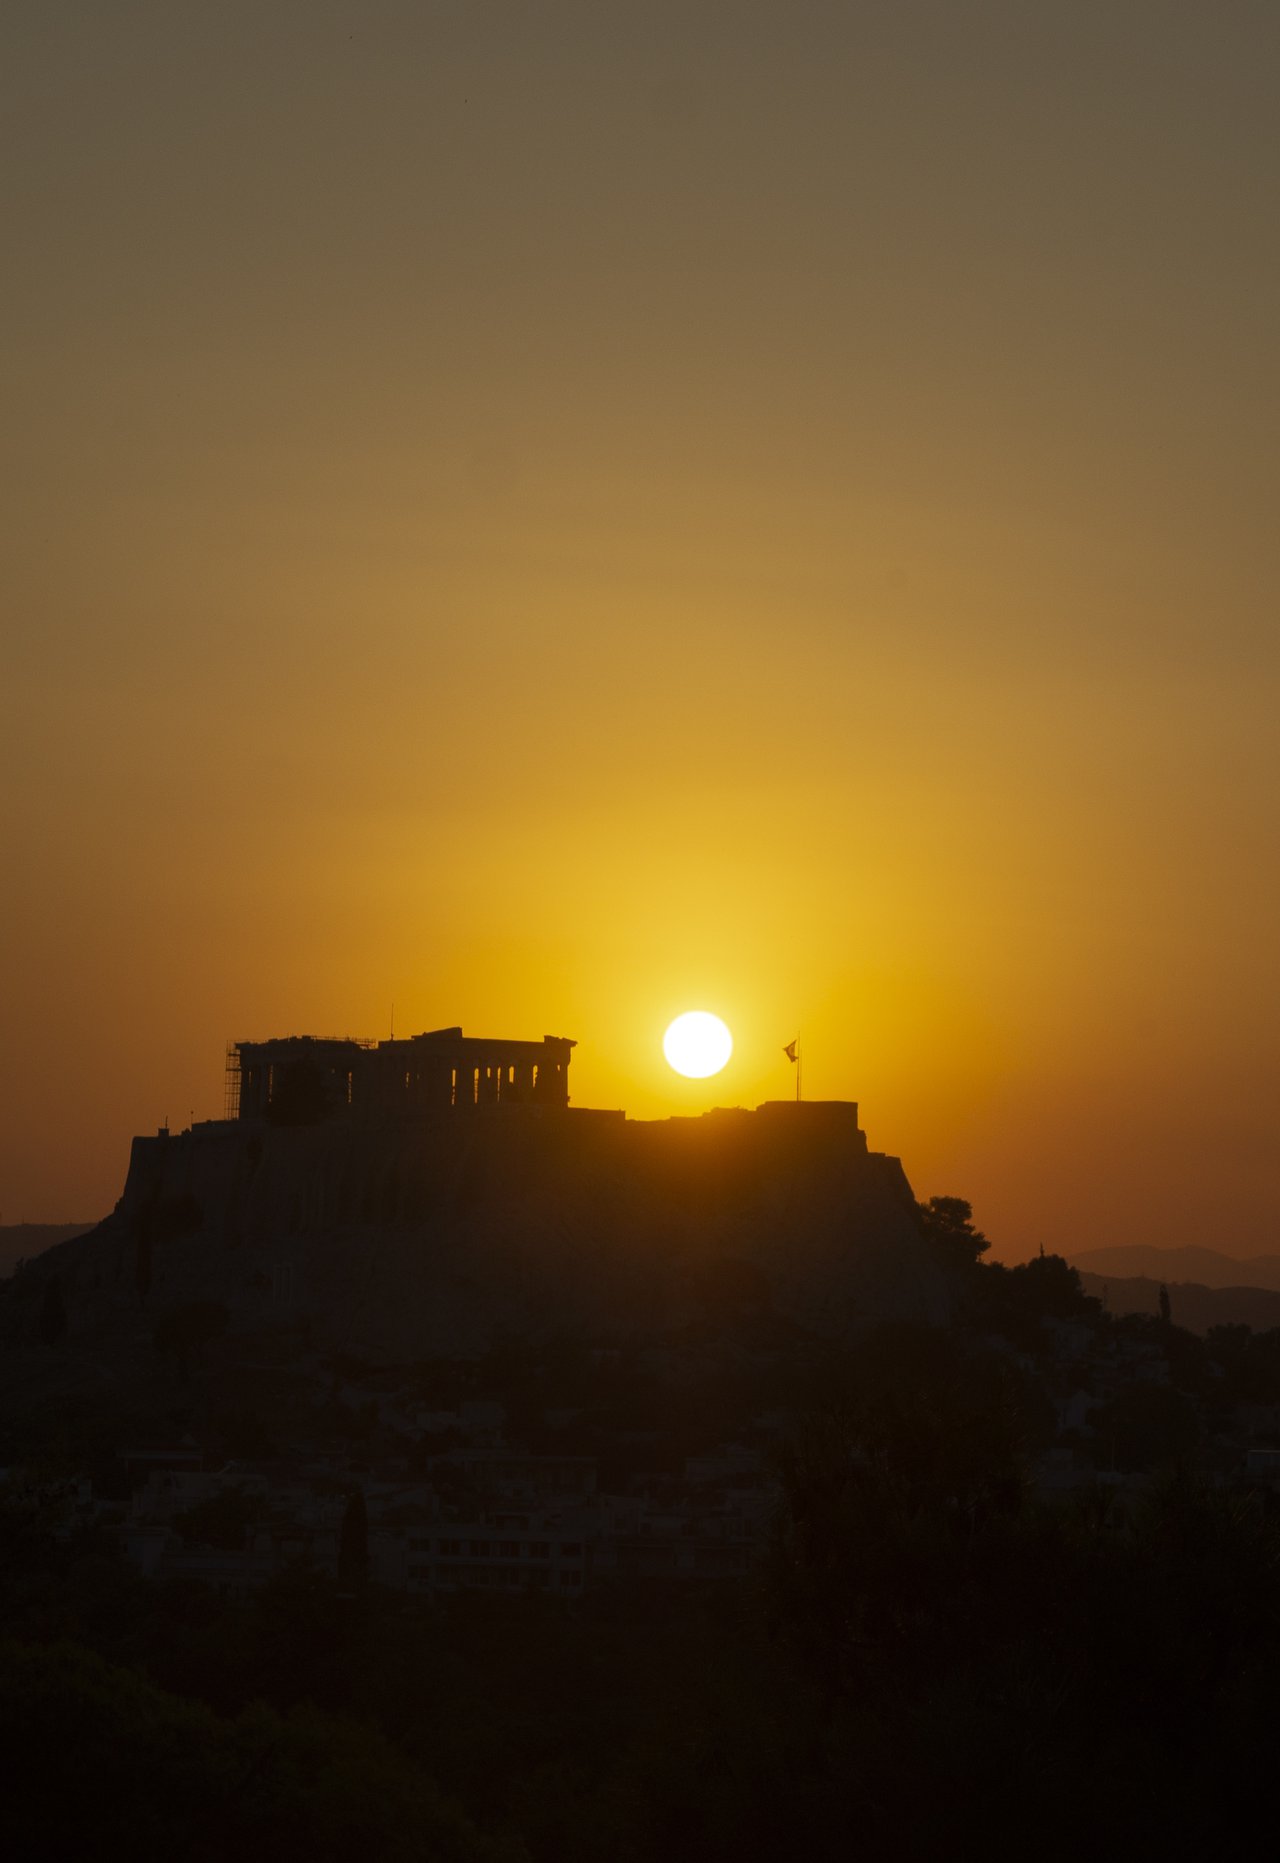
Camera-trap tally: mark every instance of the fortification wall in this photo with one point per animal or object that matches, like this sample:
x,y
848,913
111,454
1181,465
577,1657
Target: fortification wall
x,y
441,1238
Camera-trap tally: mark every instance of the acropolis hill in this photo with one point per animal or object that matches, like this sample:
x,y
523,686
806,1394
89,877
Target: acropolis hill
x,y
428,1195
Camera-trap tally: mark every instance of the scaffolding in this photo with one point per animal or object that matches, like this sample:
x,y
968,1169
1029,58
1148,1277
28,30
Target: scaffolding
x,y
437,1069
234,1071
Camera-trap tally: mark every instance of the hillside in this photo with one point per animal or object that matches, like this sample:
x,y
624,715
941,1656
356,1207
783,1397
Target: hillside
x,y
442,1239
24,1241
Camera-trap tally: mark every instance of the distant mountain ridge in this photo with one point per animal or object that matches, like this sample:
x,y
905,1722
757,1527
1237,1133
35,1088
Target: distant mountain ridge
x,y
1204,1267
1191,1305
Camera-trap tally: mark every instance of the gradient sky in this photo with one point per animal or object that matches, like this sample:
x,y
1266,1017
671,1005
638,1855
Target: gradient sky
x,y
553,515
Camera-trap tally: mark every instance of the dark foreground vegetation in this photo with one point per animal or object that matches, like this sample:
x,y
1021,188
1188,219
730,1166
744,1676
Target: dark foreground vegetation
x,y
930,1661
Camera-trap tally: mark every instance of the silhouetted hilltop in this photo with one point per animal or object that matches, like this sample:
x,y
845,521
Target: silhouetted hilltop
x,y
24,1241
443,1236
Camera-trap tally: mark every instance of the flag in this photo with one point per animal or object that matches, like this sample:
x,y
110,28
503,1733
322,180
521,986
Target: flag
x,y
790,1050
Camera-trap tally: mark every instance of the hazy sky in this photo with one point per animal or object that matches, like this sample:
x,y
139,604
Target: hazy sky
x,y
552,515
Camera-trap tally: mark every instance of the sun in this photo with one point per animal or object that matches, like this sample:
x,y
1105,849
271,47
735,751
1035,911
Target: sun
x,y
697,1044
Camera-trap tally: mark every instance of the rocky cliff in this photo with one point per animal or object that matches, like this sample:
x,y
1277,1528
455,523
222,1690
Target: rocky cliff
x,y
440,1238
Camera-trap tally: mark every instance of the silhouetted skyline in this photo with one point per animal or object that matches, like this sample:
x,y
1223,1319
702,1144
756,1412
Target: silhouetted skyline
x,y
555,516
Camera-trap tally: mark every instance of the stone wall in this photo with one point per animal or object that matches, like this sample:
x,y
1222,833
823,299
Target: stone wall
x,y
426,1241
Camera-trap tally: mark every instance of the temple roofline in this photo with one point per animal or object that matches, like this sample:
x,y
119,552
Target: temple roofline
x,y
308,1080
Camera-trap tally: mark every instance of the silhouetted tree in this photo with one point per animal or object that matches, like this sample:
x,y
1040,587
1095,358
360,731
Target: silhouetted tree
x,y
1166,1314
53,1312
100,1762
948,1227
1014,1301
886,1486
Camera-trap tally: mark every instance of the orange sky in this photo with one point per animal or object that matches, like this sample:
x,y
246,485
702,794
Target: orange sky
x,y
555,515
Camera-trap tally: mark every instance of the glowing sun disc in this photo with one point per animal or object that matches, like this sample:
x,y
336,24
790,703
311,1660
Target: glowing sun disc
x,y
697,1044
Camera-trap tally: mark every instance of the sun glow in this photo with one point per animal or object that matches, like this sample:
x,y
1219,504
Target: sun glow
x,y
697,1044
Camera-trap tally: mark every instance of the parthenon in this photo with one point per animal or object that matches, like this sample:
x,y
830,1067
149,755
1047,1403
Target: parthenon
x,y
306,1079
